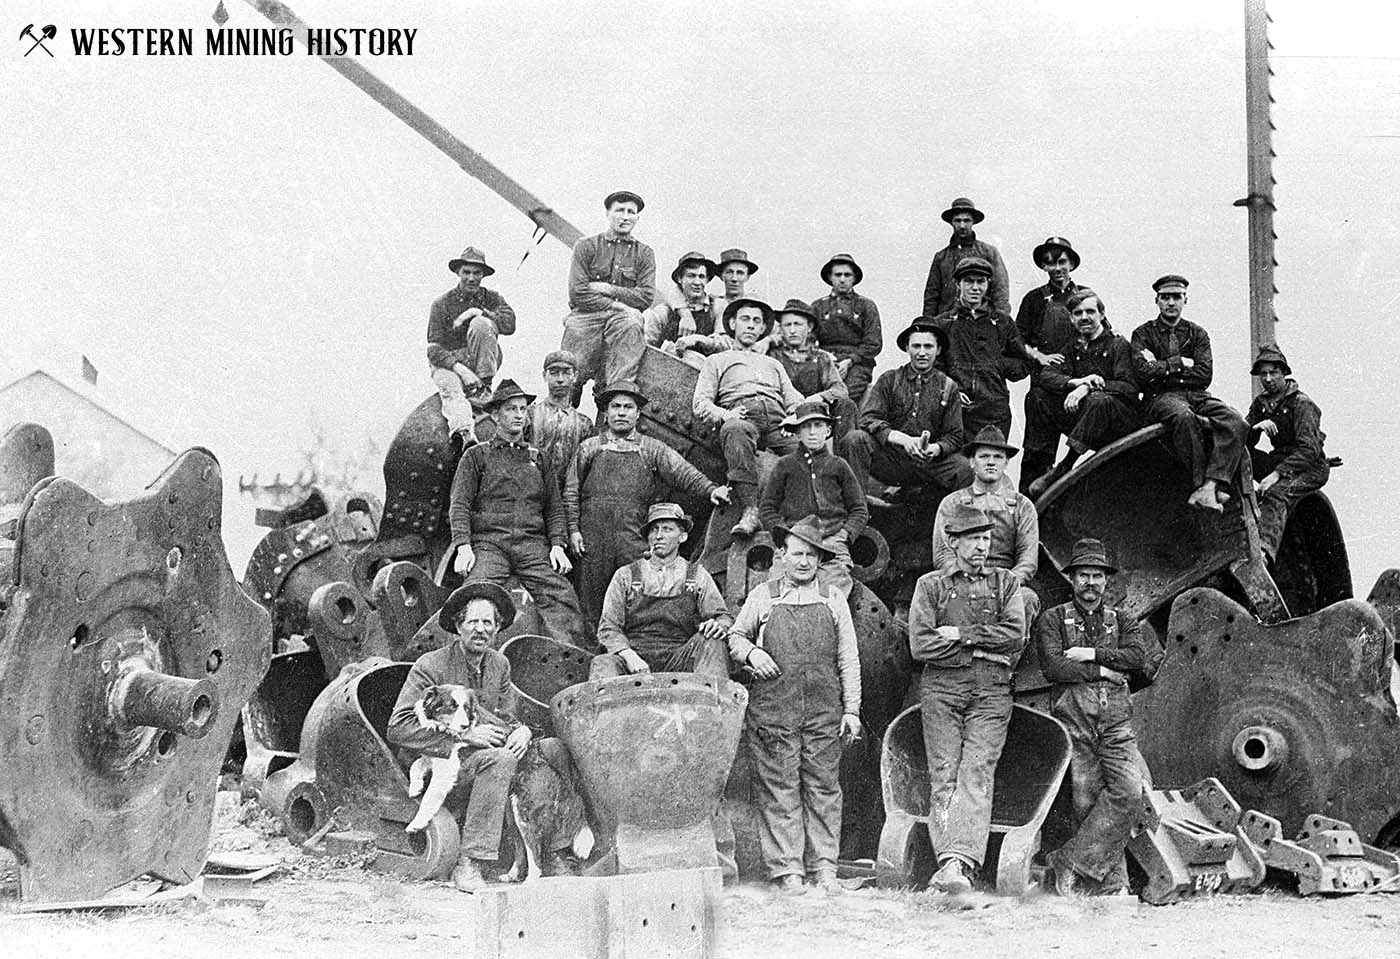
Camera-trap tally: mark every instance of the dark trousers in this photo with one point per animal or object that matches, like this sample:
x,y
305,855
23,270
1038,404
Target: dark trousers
x,y
1225,428
1278,500
528,559
742,439
1105,778
965,714
1100,419
548,794
869,457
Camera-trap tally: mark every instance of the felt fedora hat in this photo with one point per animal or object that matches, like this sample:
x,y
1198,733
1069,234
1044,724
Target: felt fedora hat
x,y
470,256
743,301
842,258
620,196
1269,353
965,519
809,530
805,412
625,387
963,205
799,307
462,595
507,390
922,324
656,512
736,255
1055,243
1089,552
989,436
694,256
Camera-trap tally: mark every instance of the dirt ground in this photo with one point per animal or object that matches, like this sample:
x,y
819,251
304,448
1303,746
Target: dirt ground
x,y
319,908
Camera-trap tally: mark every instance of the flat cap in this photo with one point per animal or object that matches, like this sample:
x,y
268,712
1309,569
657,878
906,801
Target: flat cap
x,y
1172,281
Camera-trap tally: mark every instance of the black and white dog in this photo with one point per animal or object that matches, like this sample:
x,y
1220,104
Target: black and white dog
x,y
446,709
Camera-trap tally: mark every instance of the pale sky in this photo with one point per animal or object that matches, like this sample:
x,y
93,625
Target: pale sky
x,y
247,247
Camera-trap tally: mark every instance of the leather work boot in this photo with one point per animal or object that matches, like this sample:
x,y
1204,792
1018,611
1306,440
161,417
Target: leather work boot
x,y
824,880
789,885
748,523
467,876
1206,497
558,863
951,877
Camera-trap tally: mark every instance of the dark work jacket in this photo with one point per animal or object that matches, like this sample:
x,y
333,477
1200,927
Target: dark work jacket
x,y
506,491
1043,319
1119,645
848,324
1108,355
444,338
807,482
903,400
1298,442
1165,373
941,291
450,665
984,352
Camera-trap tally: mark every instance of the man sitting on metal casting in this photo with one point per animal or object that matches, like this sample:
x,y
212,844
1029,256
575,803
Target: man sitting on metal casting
x,y
689,308
464,352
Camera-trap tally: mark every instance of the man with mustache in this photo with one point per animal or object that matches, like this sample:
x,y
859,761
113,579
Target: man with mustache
x,y
1088,649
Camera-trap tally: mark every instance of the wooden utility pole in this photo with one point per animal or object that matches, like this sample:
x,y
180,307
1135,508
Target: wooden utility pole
x,y
435,133
1260,200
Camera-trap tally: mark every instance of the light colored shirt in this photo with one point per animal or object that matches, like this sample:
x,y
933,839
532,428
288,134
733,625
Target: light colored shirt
x,y
730,377
1015,529
747,632
658,579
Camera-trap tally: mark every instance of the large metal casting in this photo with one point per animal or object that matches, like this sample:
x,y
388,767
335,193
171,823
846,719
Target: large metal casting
x,y
1028,778
127,649
540,668
654,752
26,457
1191,845
1327,857
1293,718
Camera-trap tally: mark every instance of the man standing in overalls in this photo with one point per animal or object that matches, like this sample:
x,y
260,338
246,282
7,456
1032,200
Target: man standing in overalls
x,y
798,639
812,370
614,477
966,628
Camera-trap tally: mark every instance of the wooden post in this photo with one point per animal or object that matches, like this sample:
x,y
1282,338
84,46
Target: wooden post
x,y
1260,199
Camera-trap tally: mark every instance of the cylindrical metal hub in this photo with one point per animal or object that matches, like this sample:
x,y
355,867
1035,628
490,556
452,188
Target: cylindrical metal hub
x,y
1258,748
143,697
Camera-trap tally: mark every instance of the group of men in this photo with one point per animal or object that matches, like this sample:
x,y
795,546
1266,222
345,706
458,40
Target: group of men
x,y
549,491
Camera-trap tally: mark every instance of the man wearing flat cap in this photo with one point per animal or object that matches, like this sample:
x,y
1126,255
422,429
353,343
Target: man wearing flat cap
x,y
507,516
735,269
1296,463
556,427
612,480
464,351
749,395
941,290
1089,649
966,629
812,370
848,324
475,613
1173,363
911,421
611,281
688,309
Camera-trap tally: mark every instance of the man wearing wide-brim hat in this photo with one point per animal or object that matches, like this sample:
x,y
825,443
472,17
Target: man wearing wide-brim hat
x,y
911,423
748,394
614,477
687,308
474,614
848,324
797,638
1090,650
1174,367
813,370
967,628
1043,318
941,291
507,516
1296,464
464,326
735,269
612,279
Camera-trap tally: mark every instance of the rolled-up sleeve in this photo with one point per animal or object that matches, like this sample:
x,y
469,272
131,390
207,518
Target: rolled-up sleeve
x,y
743,635
847,653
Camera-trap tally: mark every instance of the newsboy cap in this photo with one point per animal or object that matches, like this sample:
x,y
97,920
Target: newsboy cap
x,y
972,264
620,196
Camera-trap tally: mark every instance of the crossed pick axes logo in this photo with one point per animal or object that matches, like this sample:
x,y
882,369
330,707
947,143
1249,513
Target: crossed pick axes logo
x,y
46,33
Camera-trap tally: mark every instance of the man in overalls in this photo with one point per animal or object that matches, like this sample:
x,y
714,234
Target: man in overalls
x,y
812,370
1088,650
848,324
967,629
614,477
798,639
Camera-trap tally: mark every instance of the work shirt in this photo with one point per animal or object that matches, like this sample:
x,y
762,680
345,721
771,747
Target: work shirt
x,y
813,372
664,579
727,379
986,607
1297,445
1169,345
450,665
443,338
747,632
941,290
625,262
1108,355
556,430
807,482
1121,647
666,327
848,324
505,489
1015,528
984,351
1043,319
912,402
656,456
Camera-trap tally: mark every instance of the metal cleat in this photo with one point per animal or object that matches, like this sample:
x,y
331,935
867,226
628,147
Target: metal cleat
x,y
1327,857
1188,848
406,598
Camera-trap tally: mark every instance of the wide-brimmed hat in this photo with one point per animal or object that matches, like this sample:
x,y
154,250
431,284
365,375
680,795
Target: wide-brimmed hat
x,y
972,264
694,256
965,519
656,512
1055,243
742,301
962,205
507,390
1270,353
799,307
462,595
736,255
620,195
470,256
922,324
842,258
627,387
1172,281
1089,552
805,412
560,358
809,530
989,436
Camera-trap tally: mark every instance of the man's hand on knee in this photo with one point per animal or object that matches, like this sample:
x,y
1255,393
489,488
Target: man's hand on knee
x,y
464,560
632,661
